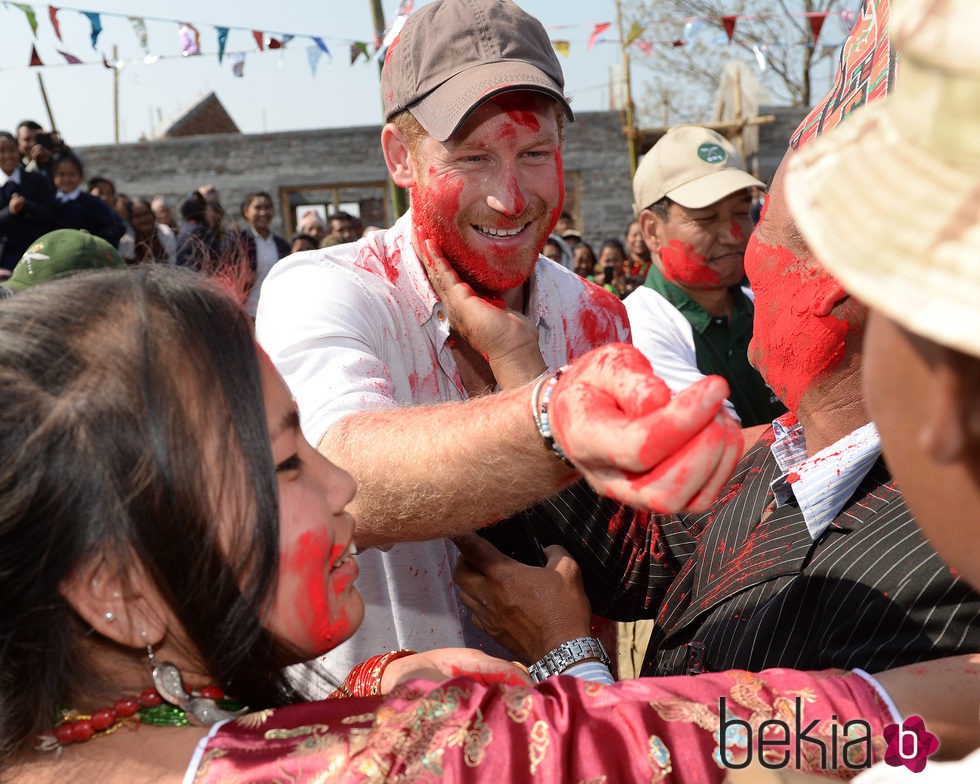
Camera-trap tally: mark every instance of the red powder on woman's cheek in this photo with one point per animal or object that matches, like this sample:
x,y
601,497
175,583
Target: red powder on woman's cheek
x,y
736,230
684,265
791,346
308,562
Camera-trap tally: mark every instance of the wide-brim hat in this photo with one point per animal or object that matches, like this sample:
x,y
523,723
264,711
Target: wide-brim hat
x,y
890,200
453,55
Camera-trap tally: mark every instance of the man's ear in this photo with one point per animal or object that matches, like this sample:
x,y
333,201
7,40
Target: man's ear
x,y
652,228
950,421
397,156
120,604
828,298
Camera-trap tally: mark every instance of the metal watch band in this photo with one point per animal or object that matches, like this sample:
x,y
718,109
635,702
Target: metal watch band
x,y
565,655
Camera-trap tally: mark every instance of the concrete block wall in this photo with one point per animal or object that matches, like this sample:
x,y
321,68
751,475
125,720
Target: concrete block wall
x,y
595,156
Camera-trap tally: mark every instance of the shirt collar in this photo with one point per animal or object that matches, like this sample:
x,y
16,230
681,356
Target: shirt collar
x,y
14,176
71,196
822,484
698,317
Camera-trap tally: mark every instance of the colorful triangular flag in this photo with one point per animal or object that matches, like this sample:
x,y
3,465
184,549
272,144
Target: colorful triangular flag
x,y
96,21
635,31
816,21
222,40
139,28
259,37
190,40
357,49
275,43
562,47
313,55
599,30
322,46
728,22
287,38
237,64
72,60
53,16
35,57
29,13
646,47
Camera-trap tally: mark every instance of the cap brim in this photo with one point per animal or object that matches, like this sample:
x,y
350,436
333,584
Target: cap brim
x,y
713,187
879,211
446,108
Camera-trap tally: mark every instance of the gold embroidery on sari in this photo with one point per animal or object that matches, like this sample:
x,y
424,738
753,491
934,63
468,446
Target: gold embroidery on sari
x,y
539,744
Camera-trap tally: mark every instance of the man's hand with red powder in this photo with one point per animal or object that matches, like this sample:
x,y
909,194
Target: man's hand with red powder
x,y
634,442
442,663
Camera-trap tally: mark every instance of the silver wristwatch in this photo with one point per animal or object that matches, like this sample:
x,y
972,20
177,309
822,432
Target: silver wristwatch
x,y
571,652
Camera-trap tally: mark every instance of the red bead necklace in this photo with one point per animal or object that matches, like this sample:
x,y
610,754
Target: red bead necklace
x,y
148,708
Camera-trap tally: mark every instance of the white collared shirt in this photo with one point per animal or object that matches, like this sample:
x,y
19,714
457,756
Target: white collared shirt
x,y
14,176
358,327
61,196
266,256
822,484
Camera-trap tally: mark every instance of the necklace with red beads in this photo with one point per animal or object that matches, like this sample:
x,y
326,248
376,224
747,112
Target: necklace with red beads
x,y
148,708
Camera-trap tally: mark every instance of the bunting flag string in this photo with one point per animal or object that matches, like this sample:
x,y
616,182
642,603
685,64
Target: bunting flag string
x,y
189,35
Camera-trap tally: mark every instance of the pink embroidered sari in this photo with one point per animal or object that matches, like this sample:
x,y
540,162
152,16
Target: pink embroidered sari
x,y
565,730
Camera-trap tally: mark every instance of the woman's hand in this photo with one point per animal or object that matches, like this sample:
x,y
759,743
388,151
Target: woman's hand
x,y
444,663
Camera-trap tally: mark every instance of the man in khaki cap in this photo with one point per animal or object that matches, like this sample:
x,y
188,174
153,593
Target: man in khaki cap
x,y
692,318
417,354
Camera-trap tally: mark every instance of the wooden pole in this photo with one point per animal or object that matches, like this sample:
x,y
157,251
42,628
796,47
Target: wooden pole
x,y
47,104
115,94
397,196
630,128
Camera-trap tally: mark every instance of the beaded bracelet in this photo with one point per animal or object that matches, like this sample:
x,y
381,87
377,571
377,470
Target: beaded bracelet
x,y
365,679
540,400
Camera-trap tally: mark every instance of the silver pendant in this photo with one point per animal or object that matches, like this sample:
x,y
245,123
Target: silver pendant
x,y
200,711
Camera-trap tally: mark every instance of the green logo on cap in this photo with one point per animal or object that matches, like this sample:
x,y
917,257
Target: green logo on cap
x,y
712,153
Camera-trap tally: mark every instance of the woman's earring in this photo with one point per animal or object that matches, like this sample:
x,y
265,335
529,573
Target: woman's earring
x,y
109,616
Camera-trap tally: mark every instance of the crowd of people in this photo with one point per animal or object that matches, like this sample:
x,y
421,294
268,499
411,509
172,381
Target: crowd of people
x,y
347,511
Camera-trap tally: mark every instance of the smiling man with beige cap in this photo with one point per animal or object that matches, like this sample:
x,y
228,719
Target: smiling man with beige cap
x,y
417,354
692,318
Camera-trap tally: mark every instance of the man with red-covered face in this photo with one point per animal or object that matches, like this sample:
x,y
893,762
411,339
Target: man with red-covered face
x,y
811,557
692,317
422,357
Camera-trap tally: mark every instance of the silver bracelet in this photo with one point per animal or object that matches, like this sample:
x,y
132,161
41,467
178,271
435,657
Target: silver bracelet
x,y
570,652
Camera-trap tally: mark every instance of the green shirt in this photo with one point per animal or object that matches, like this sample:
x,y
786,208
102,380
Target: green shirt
x,y
721,348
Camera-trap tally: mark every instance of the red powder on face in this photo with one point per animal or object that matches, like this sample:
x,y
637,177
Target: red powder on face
x,y
736,230
684,265
308,563
791,346
515,104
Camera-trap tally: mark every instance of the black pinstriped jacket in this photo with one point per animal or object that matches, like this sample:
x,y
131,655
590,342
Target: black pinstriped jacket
x,y
745,586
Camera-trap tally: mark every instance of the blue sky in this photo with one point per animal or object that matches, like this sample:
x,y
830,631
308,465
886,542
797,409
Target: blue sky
x,y
278,91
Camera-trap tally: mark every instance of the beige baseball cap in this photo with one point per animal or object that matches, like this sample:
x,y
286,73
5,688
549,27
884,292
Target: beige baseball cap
x,y
888,199
692,166
452,55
